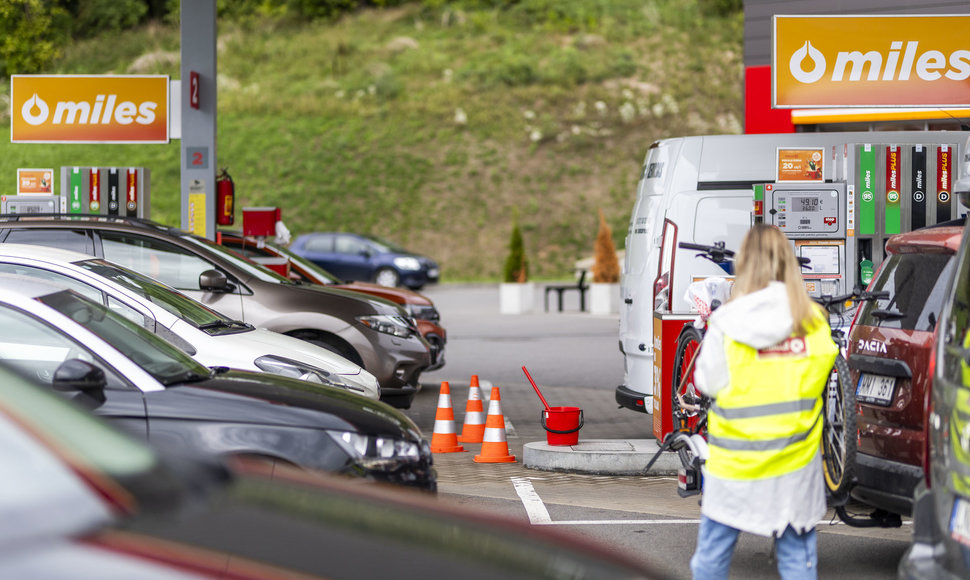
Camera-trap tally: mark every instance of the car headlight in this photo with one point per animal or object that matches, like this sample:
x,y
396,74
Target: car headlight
x,y
297,370
373,451
389,324
407,263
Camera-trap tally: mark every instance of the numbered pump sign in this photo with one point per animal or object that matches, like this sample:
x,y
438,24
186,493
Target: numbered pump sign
x,y
120,191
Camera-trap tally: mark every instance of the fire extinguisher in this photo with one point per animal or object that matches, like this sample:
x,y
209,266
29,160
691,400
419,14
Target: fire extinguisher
x,y
225,196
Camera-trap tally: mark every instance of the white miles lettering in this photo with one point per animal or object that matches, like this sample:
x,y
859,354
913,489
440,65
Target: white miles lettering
x,y
898,63
105,110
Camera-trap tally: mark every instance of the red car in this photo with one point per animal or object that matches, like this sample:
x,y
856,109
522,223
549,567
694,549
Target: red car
x,y
891,346
295,267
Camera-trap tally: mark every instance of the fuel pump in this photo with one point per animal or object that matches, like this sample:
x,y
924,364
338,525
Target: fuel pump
x,y
813,216
225,199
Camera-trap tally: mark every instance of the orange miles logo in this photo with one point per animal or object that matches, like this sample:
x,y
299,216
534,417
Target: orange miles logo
x,y
871,61
88,109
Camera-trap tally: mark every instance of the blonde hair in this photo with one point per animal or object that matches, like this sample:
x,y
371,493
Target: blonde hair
x,y
767,256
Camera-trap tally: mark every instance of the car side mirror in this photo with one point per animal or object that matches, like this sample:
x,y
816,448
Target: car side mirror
x,y
78,375
214,281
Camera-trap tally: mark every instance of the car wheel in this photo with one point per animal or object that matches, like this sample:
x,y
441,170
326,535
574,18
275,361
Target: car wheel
x,y
387,277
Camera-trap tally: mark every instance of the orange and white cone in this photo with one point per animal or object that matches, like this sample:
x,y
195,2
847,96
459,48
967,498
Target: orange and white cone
x,y
495,448
444,439
473,428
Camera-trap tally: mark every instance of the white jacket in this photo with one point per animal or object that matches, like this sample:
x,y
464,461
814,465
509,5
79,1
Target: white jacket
x,y
763,506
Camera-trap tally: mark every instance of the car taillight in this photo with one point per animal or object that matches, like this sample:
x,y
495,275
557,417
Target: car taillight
x,y
660,292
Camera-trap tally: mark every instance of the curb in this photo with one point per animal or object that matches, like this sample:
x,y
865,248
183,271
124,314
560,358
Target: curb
x,y
601,457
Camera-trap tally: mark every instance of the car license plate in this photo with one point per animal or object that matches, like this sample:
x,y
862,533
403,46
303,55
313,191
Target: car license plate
x,y
433,273
960,521
876,389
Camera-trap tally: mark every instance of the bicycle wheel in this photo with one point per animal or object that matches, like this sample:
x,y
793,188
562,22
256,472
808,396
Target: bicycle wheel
x,y
682,383
838,429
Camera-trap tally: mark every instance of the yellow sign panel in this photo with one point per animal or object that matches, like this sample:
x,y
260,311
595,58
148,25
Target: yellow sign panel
x,y
88,109
871,61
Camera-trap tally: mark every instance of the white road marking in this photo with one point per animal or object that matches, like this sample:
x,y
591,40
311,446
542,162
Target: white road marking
x,y
539,515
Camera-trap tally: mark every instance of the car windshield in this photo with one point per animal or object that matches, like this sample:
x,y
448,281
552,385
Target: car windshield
x,y
916,284
386,246
172,300
166,363
238,260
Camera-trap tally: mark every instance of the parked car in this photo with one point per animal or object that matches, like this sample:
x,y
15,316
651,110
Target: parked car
x,y
890,354
365,258
146,385
206,335
84,501
369,331
298,268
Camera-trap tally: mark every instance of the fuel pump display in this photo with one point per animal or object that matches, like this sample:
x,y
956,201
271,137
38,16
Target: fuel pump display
x,y
814,217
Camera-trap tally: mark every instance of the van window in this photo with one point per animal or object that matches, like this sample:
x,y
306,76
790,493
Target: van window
x,y
916,284
722,219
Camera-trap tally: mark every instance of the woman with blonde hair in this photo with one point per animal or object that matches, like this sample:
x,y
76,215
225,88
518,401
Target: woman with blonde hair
x,y
764,361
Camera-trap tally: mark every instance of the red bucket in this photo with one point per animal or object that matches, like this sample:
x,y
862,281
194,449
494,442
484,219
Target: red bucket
x,y
562,425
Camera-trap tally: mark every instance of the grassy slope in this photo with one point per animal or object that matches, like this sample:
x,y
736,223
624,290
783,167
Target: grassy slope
x,y
352,125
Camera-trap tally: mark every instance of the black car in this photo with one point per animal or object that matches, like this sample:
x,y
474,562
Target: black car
x,y
152,389
363,258
371,332
84,501
941,509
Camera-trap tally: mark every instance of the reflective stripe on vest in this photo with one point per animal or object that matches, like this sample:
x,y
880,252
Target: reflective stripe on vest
x,y
768,421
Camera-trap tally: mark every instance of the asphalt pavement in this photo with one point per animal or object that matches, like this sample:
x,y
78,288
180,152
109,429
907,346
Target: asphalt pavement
x,y
573,357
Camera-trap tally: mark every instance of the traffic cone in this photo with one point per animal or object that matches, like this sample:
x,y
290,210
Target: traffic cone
x,y
473,427
495,448
444,439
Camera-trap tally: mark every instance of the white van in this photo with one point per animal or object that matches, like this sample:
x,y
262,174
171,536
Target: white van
x,y
700,190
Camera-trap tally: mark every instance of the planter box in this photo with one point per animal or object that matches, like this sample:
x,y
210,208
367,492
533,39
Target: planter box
x,y
517,298
604,298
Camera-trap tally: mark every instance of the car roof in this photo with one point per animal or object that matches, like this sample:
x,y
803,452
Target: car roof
x,y
926,240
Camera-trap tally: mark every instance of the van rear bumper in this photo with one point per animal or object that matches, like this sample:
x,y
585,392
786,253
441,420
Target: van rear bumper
x,y
635,400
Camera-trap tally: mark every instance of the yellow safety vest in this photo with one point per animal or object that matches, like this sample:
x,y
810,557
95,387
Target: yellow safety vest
x,y
768,421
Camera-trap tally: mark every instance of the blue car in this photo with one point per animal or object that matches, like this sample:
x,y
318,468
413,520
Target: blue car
x,y
364,258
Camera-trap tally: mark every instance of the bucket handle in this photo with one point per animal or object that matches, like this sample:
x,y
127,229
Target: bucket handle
x,y
542,421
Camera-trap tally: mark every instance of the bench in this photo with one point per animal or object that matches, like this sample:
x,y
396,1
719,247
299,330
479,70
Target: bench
x,y
581,286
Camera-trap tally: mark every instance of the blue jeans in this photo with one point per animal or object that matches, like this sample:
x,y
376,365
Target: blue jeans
x,y
797,553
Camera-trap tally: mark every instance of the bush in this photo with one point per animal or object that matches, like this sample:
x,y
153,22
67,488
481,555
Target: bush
x,y
516,266
606,267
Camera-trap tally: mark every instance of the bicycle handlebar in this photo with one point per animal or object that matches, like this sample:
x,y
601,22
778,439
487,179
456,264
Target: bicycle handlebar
x,y
719,254
858,293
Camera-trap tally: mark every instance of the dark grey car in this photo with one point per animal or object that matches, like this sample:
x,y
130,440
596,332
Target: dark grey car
x,y
371,332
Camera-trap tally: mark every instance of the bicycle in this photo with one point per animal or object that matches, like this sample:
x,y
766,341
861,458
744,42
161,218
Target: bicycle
x,y
689,406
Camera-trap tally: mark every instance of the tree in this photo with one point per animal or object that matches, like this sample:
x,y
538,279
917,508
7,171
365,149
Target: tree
x,y
606,267
516,266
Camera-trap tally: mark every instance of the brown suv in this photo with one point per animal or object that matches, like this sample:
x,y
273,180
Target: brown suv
x,y
891,347
298,268
369,331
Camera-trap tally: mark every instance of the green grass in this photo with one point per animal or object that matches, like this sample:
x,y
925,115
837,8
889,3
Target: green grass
x,y
352,125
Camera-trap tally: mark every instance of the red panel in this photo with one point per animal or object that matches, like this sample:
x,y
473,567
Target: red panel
x,y
759,117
